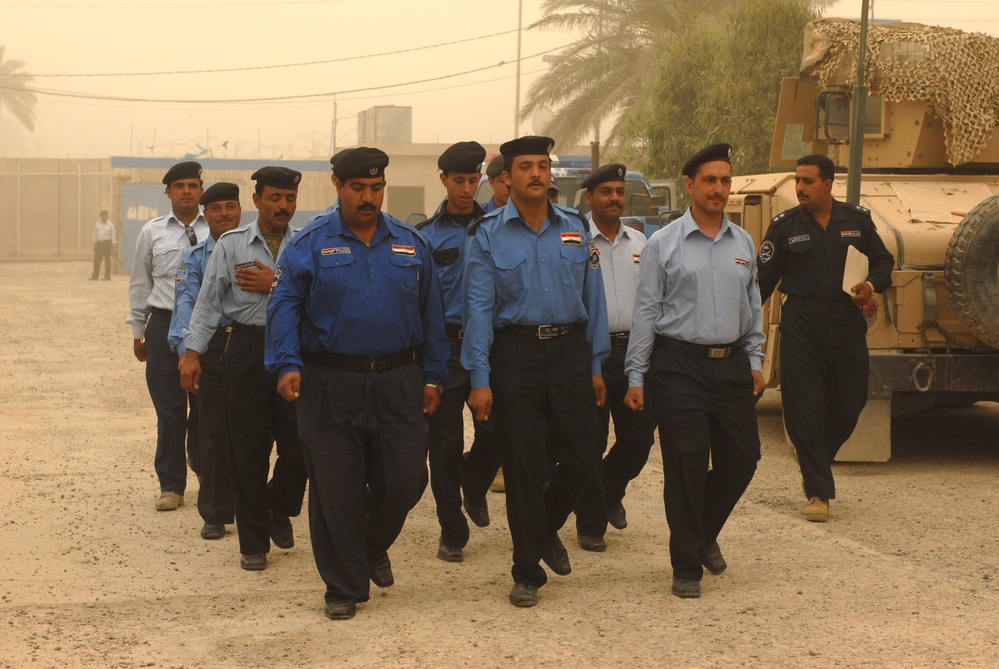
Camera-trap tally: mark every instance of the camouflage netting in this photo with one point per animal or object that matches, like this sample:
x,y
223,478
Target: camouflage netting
x,y
957,72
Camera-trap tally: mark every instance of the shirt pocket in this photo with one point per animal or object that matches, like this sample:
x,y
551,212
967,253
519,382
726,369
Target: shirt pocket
x,y
851,238
574,264
511,271
800,246
336,278
166,259
406,273
740,278
445,257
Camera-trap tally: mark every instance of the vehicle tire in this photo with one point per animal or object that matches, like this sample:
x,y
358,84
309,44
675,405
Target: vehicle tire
x,y
972,270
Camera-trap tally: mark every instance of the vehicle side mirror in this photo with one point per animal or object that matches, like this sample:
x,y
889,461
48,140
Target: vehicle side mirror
x,y
832,117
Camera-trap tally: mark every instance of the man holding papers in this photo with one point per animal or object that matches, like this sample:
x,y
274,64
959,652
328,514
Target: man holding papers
x,y
823,345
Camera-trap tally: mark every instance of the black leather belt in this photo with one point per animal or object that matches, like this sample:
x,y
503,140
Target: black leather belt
x,y
825,305
243,328
361,363
619,338
163,313
455,332
719,352
542,331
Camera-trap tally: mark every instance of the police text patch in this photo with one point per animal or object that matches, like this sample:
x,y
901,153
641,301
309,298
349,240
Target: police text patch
x,y
245,265
799,238
574,238
401,250
336,250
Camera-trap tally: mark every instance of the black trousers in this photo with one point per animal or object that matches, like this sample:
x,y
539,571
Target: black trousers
x,y
365,441
258,417
102,252
634,433
446,445
706,411
215,494
537,383
823,376
174,425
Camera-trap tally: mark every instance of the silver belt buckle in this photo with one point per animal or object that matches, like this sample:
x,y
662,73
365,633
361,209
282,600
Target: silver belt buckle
x,y
547,332
717,352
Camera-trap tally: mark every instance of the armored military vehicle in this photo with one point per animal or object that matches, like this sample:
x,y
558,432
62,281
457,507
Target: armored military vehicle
x,y
930,180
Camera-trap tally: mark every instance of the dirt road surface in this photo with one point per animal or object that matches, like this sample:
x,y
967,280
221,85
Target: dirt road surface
x,y
906,574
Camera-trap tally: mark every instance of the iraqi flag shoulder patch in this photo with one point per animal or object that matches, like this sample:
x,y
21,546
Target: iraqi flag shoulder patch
x,y
636,257
573,238
403,250
849,233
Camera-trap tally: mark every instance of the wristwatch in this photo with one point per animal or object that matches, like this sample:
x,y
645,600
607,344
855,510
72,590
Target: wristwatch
x,y
436,386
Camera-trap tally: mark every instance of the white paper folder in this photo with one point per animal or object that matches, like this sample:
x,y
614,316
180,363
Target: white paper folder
x,y
856,269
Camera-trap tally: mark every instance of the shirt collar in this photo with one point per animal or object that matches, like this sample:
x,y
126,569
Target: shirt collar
x,y
623,231
690,225
336,227
200,218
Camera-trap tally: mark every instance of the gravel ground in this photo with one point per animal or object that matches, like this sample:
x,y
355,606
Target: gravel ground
x,y
905,575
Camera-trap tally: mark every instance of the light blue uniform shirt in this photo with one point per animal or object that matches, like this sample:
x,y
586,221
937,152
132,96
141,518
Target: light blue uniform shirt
x,y
698,290
190,274
619,263
158,249
516,276
220,297
337,294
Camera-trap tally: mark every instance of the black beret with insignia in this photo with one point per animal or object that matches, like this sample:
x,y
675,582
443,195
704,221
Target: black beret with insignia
x,y
186,170
706,155
495,167
277,177
609,172
463,157
220,192
529,145
336,156
360,163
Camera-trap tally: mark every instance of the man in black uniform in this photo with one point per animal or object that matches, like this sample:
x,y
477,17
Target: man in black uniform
x,y
823,345
446,232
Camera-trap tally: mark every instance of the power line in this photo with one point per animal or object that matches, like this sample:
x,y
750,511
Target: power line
x,y
130,4
263,67
304,96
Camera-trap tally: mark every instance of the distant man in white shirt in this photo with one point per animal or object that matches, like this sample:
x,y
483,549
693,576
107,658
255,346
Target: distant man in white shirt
x,y
104,243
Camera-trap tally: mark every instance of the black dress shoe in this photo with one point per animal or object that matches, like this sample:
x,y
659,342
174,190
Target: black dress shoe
x,y
594,544
380,571
685,588
449,554
616,516
212,531
712,559
341,609
281,532
477,510
524,595
556,557
253,562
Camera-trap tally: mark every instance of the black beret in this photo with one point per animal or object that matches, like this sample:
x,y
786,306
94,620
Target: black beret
x,y
495,167
337,155
463,157
707,155
529,145
554,185
277,177
609,172
362,162
187,170
220,192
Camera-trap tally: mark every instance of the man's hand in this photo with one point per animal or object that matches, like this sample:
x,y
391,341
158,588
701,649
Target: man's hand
x,y
431,400
139,349
599,389
862,293
634,399
289,384
257,280
480,401
759,385
190,371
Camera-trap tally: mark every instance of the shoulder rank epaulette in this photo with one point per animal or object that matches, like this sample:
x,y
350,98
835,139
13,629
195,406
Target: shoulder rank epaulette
x,y
856,207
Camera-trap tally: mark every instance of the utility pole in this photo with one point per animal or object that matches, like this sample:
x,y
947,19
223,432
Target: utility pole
x,y
516,97
857,120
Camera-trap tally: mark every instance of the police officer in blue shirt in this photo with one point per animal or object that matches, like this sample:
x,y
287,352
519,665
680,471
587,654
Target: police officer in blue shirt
x,y
535,335
151,287
447,233
501,191
695,345
241,265
355,336
222,212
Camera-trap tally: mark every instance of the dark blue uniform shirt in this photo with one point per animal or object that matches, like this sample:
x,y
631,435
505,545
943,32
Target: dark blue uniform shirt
x,y
447,241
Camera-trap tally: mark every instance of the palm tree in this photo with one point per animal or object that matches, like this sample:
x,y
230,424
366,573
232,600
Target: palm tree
x,y
15,96
611,66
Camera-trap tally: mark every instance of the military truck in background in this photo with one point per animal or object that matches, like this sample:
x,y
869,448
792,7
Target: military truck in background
x,y
931,182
